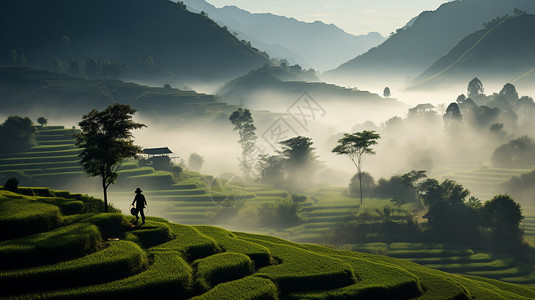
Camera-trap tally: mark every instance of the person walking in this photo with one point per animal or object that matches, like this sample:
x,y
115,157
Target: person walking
x,y
140,204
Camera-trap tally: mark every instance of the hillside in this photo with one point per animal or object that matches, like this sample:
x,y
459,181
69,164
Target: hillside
x,y
498,54
108,257
188,198
312,45
414,48
63,96
289,83
181,44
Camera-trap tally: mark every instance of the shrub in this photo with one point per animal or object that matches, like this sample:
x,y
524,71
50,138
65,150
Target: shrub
x,y
94,205
284,213
26,191
12,185
43,192
63,194
368,184
299,198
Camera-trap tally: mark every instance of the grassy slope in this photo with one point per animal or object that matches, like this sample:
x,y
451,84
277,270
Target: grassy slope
x,y
212,263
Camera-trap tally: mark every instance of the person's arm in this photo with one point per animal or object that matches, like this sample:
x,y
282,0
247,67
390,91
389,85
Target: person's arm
x,y
134,201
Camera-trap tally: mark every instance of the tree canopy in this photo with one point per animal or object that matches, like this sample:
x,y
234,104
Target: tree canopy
x,y
300,160
42,121
475,88
106,141
501,219
452,114
17,134
386,92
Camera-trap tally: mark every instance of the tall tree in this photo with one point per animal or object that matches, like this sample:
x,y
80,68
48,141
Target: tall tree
x,y
243,122
106,141
355,146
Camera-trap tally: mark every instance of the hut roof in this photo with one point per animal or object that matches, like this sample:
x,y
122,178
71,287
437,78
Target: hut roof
x,y
157,151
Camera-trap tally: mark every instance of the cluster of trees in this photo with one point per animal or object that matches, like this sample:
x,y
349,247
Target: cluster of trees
x,y
91,68
491,112
522,187
17,134
451,213
17,59
497,112
455,216
482,113
492,23
519,152
294,167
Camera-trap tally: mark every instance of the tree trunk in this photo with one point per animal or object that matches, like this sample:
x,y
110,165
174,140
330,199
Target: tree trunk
x,y
360,184
105,189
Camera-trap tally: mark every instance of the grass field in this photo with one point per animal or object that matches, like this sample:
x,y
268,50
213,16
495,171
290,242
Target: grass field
x,y
205,262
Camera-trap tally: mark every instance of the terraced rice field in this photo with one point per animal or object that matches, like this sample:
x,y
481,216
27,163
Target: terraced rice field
x,y
482,182
528,224
453,259
160,259
55,155
191,202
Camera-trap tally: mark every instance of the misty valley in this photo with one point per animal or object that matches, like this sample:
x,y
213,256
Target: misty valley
x,y
192,150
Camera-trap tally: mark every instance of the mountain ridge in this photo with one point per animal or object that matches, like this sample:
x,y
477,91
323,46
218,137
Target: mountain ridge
x,y
180,43
492,53
410,51
300,42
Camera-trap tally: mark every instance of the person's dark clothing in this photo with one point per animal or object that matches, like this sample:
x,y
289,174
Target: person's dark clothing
x,y
140,202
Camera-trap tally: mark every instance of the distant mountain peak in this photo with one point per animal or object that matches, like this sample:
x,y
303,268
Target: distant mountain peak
x,y
311,44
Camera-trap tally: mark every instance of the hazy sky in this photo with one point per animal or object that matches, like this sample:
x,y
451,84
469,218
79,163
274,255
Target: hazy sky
x,y
354,16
